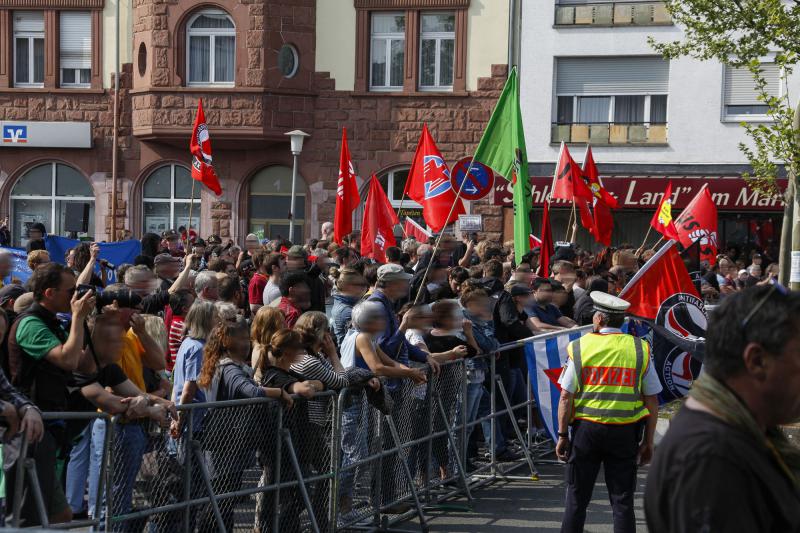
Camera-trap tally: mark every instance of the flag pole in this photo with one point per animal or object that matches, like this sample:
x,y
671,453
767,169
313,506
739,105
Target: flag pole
x,y
441,233
569,223
641,248
574,222
189,228
657,243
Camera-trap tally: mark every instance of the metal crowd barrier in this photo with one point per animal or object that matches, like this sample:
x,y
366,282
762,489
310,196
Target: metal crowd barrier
x,y
331,463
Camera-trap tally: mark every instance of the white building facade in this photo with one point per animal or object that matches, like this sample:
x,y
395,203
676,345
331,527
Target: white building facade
x,y
590,76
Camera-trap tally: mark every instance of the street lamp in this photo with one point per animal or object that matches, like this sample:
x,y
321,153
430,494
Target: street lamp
x,y
296,138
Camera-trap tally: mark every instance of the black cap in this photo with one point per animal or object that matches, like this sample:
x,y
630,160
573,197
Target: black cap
x,y
520,290
11,291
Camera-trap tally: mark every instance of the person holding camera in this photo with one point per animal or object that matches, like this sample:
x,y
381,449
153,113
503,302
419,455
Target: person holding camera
x,y
42,357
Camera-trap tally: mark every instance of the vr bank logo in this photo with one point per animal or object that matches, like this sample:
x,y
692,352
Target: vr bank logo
x,y
15,134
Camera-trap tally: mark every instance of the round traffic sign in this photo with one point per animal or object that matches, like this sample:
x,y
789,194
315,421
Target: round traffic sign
x,y
479,182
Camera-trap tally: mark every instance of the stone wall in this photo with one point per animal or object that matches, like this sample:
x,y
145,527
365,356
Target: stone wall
x,y
383,131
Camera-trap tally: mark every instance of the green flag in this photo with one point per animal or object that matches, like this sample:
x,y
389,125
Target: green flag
x,y
502,148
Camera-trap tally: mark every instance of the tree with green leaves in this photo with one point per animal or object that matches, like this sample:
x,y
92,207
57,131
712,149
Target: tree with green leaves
x,y
741,33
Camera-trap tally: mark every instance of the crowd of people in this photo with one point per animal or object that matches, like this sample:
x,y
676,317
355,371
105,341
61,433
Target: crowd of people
x,y
194,320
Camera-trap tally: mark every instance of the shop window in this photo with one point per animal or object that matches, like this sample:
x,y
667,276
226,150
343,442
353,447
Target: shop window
x,y
269,202
29,48
167,195
211,48
75,48
42,194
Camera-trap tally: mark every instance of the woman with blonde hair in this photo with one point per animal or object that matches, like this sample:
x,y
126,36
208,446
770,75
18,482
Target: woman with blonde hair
x,y
267,322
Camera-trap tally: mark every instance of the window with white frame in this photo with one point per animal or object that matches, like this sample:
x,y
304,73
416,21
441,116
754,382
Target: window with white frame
x,y
740,96
618,90
167,196
211,48
42,194
29,48
437,51
387,51
394,183
75,48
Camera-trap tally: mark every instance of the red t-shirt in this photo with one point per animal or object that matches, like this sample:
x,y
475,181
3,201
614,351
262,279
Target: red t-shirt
x,y
291,312
255,290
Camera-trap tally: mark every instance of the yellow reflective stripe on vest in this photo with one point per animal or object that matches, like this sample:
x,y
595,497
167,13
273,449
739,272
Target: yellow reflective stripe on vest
x,y
609,386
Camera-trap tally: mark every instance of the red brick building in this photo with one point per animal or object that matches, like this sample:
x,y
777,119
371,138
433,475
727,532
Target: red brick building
x,y
378,67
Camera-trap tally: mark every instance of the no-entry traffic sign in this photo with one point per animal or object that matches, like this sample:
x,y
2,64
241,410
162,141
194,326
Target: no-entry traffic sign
x,y
479,182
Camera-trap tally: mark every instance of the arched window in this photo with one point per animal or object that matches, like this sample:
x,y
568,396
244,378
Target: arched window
x,y
42,195
393,183
269,201
210,48
166,196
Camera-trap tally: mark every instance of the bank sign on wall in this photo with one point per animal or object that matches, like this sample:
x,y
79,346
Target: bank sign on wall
x,y
27,134
645,192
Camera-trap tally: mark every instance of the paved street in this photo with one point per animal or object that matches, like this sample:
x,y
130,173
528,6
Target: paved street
x,y
512,507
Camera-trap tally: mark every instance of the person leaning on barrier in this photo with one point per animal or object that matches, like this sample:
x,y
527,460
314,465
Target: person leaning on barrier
x,y
225,376
725,464
285,350
608,399
101,383
42,357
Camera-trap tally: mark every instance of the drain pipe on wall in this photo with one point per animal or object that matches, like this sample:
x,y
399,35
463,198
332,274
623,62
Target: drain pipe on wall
x,y
115,133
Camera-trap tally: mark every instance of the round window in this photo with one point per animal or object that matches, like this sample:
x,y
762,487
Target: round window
x,y
288,60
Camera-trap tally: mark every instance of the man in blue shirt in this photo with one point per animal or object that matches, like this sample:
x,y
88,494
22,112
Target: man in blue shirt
x,y
392,285
544,316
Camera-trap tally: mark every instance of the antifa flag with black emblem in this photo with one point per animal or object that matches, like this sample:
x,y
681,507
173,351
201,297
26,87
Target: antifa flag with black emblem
x,y
663,294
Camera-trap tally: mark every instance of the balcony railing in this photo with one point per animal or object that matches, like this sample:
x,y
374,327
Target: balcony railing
x,y
610,134
613,14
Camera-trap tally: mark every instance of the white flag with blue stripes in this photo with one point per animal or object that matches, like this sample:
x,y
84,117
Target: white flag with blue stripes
x,y
546,358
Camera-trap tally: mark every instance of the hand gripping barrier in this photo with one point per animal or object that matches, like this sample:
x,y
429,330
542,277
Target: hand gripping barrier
x,y
333,462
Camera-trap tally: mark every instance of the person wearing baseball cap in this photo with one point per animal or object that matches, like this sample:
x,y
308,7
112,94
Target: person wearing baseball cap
x,y
171,243
609,396
167,268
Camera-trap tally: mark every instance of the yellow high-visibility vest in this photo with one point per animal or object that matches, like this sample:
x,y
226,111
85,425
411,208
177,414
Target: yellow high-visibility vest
x,y
610,370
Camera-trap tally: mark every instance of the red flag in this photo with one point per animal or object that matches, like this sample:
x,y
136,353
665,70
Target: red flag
x,y
592,177
429,184
347,197
661,280
412,229
699,222
603,223
603,201
534,241
200,147
586,214
547,249
377,229
662,220
567,181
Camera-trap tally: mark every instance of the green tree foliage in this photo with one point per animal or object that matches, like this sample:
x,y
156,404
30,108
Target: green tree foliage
x,y
741,33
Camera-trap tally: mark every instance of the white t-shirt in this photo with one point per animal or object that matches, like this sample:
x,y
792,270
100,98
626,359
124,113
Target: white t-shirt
x,y
271,292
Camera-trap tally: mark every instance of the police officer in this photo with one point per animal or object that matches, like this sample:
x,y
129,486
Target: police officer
x,y
608,397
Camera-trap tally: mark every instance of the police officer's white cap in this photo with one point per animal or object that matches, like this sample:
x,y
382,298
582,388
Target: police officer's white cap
x,y
606,303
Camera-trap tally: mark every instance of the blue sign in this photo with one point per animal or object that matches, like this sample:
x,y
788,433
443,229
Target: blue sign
x,y
479,182
15,133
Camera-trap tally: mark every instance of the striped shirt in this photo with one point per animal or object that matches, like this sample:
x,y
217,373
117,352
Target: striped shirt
x,y
174,340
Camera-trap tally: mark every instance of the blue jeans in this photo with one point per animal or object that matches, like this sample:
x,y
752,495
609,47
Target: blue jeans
x,y
485,409
129,445
84,466
355,432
